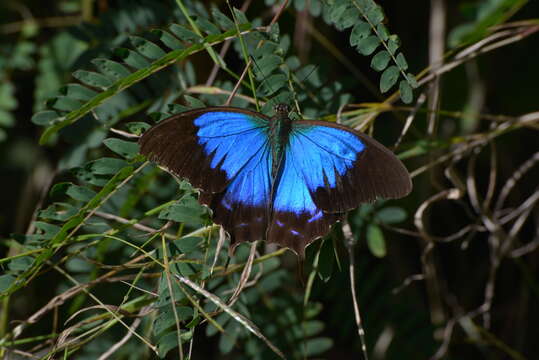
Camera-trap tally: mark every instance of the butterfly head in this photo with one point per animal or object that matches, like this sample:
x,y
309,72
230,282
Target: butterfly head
x,y
281,110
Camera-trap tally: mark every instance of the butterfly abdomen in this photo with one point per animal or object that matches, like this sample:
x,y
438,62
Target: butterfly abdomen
x,y
279,134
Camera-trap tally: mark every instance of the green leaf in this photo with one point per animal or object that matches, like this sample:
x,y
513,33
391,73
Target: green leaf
x,y
47,231
266,65
488,15
106,166
229,339
80,193
207,27
20,264
88,177
132,58
194,102
111,69
6,119
240,16
91,78
393,44
360,31
348,19
45,117
272,84
168,39
78,265
58,211
383,32
170,341
315,8
63,103
6,281
166,319
184,34
221,319
412,80
310,328
186,210
188,244
407,95
224,21
380,60
78,92
337,11
147,48
267,48
59,189
376,241
127,149
375,15
7,98
163,290
177,108
368,45
21,57
389,78
317,346
401,62
391,215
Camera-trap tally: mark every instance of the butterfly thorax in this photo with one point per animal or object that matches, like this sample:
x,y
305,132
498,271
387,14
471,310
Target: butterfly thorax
x,y
280,128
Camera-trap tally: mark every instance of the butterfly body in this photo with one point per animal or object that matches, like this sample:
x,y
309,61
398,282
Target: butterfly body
x,y
273,178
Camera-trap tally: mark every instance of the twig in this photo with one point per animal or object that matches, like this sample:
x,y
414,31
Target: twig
x,y
122,341
350,245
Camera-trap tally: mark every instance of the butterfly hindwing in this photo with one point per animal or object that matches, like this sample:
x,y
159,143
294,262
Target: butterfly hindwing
x,y
243,208
329,169
296,219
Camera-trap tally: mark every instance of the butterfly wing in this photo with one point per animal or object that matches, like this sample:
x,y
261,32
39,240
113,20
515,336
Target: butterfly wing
x,y
329,169
207,146
243,208
225,152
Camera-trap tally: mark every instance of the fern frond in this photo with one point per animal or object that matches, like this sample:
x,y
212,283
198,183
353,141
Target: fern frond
x,y
114,78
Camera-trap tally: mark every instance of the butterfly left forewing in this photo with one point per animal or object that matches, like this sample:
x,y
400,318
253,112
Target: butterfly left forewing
x,y
207,146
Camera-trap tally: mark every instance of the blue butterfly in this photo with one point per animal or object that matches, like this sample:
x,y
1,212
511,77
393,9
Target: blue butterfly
x,y
273,178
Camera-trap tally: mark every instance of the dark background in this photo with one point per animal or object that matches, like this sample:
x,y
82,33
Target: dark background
x,y
509,76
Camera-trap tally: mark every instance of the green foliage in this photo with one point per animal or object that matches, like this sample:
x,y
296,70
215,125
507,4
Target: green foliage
x,y
369,33
486,15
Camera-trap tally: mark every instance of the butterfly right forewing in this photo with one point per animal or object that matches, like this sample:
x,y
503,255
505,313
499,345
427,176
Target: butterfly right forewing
x,y
354,168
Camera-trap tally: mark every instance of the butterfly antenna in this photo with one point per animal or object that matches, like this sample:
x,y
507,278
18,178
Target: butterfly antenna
x,y
303,87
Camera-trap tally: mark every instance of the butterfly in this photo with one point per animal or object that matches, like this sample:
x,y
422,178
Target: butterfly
x,y
274,179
